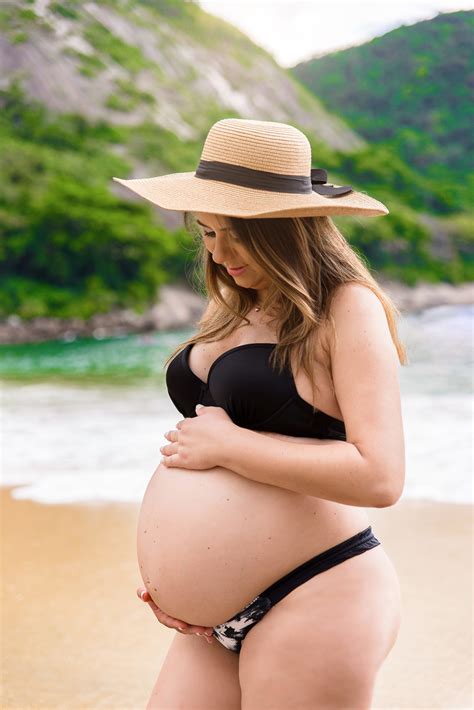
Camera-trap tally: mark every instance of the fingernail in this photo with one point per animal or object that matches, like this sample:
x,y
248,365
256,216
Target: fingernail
x,y
181,628
142,595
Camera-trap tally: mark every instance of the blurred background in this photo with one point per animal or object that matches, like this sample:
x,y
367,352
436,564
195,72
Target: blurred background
x,y
97,288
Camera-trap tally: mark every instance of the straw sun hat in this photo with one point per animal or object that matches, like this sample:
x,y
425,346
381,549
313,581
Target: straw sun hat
x,y
252,168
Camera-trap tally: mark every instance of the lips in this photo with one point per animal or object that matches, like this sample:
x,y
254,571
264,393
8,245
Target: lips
x,y
233,271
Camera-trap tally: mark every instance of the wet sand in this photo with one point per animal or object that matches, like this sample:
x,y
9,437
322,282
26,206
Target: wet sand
x,y
74,634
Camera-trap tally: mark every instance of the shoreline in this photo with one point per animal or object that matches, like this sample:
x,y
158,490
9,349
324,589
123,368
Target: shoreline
x,y
75,635
179,307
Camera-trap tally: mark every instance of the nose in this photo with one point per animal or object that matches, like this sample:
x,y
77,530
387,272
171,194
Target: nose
x,y
222,251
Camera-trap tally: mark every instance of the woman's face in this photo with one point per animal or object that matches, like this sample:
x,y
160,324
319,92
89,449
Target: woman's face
x,y
227,249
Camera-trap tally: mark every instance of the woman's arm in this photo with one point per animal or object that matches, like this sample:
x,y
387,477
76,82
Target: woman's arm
x,y
368,468
324,468
301,439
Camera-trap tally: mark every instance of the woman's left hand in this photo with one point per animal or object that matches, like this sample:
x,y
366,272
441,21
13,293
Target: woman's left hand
x,y
198,442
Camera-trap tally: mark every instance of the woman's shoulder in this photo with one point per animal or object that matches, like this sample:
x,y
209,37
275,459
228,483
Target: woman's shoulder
x,y
351,290
351,295
353,305
343,298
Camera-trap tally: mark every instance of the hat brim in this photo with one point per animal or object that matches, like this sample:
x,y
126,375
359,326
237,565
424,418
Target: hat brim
x,y
186,192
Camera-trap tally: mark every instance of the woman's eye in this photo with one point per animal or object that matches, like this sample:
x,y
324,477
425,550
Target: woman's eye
x,y
213,234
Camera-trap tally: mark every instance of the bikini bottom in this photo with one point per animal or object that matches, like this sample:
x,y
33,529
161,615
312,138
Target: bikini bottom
x,y
232,632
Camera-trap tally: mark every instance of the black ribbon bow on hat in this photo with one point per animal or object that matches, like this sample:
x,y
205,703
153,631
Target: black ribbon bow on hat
x,y
319,177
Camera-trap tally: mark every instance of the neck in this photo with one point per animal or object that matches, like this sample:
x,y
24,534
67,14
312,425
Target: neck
x,y
259,298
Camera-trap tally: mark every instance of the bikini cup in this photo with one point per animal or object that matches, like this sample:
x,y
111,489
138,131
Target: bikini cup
x,y
242,381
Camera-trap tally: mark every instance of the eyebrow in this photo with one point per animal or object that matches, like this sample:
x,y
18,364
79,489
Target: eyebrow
x,y
223,229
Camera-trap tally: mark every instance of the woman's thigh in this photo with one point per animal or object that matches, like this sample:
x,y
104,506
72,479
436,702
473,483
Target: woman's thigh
x,y
322,645
196,675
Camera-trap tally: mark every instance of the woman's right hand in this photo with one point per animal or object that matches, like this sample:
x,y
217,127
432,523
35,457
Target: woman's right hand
x,y
170,622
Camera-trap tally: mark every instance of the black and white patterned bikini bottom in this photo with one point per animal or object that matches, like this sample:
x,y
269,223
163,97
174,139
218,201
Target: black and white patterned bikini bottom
x,y
232,632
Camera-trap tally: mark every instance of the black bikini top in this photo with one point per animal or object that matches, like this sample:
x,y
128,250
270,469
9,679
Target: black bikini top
x,y
242,381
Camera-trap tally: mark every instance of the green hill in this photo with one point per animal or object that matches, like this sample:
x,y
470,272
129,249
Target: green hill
x,y
412,90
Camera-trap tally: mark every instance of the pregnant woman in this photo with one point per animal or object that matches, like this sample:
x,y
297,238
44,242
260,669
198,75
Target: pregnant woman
x,y
254,527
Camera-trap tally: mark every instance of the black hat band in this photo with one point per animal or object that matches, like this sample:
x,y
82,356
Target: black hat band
x,y
270,182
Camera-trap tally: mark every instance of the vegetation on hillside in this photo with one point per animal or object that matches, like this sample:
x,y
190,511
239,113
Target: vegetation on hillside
x,y
70,247
410,90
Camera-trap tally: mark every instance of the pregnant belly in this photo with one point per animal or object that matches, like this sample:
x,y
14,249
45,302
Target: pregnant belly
x,y
209,541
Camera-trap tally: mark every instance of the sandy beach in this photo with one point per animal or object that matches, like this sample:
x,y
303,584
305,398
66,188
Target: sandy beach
x,y
74,634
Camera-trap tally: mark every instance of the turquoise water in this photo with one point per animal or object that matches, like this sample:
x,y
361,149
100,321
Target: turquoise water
x,y
124,359
83,421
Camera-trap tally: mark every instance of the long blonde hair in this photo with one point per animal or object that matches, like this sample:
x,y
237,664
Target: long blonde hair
x,y
305,259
